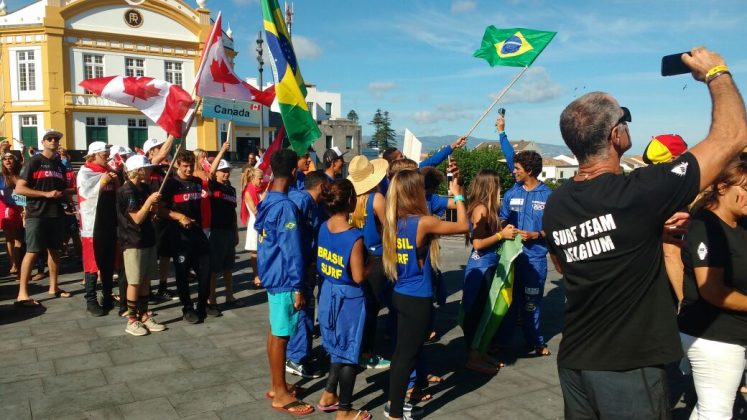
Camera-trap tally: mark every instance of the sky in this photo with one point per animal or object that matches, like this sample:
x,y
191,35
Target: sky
x,y
414,59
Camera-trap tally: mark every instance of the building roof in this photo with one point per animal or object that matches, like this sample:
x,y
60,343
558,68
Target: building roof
x,y
557,163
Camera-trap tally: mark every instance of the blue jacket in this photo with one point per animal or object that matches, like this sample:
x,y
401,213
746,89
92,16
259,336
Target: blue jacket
x,y
524,209
279,254
310,218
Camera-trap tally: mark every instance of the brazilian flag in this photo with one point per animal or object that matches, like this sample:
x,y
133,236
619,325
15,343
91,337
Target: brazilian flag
x,y
290,89
515,47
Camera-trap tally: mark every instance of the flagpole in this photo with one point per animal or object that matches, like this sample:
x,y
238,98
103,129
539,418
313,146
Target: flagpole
x,y
500,96
179,146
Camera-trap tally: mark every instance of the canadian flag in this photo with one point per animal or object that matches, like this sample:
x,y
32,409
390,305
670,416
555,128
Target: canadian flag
x,y
166,104
216,78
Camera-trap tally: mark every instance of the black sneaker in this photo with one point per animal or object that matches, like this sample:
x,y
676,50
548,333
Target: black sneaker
x,y
164,295
300,370
95,309
409,411
190,316
212,310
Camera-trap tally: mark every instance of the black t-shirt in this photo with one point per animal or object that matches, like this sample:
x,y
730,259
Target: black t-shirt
x,y
44,174
184,196
106,210
712,243
606,233
223,206
130,198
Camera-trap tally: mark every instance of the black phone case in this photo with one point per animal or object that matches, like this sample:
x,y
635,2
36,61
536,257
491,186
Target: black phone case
x,y
672,65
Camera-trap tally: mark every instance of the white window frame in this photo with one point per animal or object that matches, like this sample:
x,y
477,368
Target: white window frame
x,y
26,70
174,75
93,68
35,94
134,66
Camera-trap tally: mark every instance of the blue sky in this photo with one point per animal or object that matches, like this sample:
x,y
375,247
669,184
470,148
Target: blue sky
x,y
414,59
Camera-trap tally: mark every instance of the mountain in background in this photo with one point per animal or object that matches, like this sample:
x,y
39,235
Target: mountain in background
x,y
432,143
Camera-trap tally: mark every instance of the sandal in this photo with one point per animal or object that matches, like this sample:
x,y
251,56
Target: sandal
x,y
62,294
482,367
328,408
542,351
292,389
416,394
288,408
433,379
27,303
368,415
38,276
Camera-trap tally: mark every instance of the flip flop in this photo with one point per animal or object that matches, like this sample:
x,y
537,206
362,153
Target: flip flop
x,y
59,293
293,390
27,303
298,413
38,276
482,367
328,408
417,395
358,416
433,379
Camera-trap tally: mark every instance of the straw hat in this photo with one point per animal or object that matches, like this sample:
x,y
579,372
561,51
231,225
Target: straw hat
x,y
365,174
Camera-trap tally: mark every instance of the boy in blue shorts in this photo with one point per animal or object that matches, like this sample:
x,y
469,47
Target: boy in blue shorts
x,y
280,264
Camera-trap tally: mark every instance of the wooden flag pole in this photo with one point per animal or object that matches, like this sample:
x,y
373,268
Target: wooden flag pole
x,y
179,146
500,96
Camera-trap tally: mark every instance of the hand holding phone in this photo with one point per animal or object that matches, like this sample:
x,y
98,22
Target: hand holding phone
x,y
672,65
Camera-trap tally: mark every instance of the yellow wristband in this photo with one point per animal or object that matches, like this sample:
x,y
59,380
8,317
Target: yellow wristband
x,y
500,237
708,80
715,70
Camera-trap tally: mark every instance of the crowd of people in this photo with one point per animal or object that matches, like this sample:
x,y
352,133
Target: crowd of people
x,y
333,251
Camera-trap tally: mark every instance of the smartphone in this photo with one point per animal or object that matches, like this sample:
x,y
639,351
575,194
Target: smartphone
x,y
502,111
449,175
672,65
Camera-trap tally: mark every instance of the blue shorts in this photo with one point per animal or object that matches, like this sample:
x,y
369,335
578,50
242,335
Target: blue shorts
x,y
283,315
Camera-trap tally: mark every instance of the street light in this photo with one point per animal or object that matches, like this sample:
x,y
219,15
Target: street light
x,y
260,63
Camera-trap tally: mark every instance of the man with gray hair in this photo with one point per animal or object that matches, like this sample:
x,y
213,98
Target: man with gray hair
x,y
604,234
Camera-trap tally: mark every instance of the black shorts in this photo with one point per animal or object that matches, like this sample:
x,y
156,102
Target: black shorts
x,y
165,238
44,233
222,250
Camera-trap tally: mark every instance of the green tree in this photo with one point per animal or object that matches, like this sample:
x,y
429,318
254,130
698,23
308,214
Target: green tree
x,y
470,162
388,136
376,122
352,115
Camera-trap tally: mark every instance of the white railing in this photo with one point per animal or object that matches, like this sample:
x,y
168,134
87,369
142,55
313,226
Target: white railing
x,y
86,99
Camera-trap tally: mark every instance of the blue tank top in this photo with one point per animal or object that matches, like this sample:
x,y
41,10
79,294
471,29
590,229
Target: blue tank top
x,y
333,254
483,258
412,280
371,234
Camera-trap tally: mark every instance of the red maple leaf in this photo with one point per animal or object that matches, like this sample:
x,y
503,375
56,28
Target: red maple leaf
x,y
222,74
140,88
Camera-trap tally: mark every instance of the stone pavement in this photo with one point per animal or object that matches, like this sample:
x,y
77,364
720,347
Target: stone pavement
x,y
59,362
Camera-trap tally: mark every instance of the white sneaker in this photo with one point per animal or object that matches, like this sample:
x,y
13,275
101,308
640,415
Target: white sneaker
x,y
152,325
136,328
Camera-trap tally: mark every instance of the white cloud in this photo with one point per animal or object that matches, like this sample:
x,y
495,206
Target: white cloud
x,y
461,6
536,86
305,48
442,113
378,89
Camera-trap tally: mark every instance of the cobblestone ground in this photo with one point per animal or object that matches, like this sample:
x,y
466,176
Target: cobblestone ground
x,y
59,362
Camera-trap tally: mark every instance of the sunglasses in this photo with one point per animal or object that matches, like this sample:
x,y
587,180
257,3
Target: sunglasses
x,y
626,118
52,139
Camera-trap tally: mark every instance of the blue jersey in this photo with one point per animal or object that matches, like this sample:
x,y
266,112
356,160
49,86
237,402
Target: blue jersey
x,y
437,204
412,280
279,253
333,254
484,258
371,234
524,209
298,185
308,221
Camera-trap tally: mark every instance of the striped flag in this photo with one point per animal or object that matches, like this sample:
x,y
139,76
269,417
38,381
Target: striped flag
x,y
290,88
499,295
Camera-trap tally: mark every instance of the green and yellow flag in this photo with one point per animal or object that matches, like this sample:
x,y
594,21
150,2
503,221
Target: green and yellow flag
x,y
500,295
300,126
517,47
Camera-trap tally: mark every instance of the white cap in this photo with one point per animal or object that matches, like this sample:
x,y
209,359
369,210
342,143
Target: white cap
x,y
118,149
337,150
97,147
137,162
223,164
151,143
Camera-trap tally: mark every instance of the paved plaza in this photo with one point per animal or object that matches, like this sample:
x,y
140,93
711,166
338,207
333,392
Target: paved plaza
x,y
60,362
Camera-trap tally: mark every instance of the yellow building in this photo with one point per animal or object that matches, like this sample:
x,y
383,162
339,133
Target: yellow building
x,y
48,47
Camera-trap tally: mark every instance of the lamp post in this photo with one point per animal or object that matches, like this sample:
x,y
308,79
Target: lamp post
x,y
260,63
